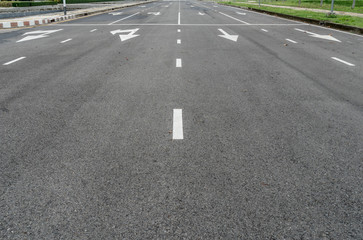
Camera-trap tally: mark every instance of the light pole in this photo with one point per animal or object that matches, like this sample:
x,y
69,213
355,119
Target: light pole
x,y
332,7
64,7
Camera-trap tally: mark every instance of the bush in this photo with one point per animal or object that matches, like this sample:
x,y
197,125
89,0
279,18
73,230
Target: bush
x,y
30,4
5,4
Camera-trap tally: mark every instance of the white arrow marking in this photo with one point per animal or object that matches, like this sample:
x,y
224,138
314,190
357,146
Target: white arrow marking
x,y
241,13
116,13
154,13
227,36
326,37
201,13
127,36
32,37
43,34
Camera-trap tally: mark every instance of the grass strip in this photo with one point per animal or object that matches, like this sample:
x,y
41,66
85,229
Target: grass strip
x,y
340,19
339,5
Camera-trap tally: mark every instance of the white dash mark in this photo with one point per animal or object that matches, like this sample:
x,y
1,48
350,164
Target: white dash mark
x,y
178,63
234,18
178,41
178,30
93,30
178,124
15,60
179,18
67,40
290,40
342,61
124,18
264,30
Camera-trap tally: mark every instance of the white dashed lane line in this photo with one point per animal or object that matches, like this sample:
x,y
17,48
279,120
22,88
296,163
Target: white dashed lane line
x,y
178,63
264,30
178,30
342,61
67,40
177,124
178,41
234,18
15,60
290,40
93,30
124,18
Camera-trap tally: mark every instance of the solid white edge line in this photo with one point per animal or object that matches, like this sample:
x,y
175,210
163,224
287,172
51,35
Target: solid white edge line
x,y
312,25
15,60
290,40
67,40
178,63
178,41
187,24
342,61
123,18
178,124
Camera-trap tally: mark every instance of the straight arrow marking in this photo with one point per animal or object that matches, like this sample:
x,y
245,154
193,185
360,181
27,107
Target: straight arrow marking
x,y
43,34
326,37
228,36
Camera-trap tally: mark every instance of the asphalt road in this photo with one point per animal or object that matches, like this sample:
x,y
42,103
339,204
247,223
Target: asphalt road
x,y
182,130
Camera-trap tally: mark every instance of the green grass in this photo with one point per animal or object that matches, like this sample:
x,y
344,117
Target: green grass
x,y
346,20
85,1
339,5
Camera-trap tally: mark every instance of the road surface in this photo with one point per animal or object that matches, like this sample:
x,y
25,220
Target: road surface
x,y
181,120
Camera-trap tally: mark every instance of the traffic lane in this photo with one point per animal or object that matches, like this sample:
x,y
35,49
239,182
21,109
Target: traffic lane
x,y
158,15
39,51
259,133
96,141
248,16
113,15
318,35
341,35
343,46
39,93
202,15
316,63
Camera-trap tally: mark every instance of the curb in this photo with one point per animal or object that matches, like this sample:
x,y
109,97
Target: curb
x,y
307,20
28,23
